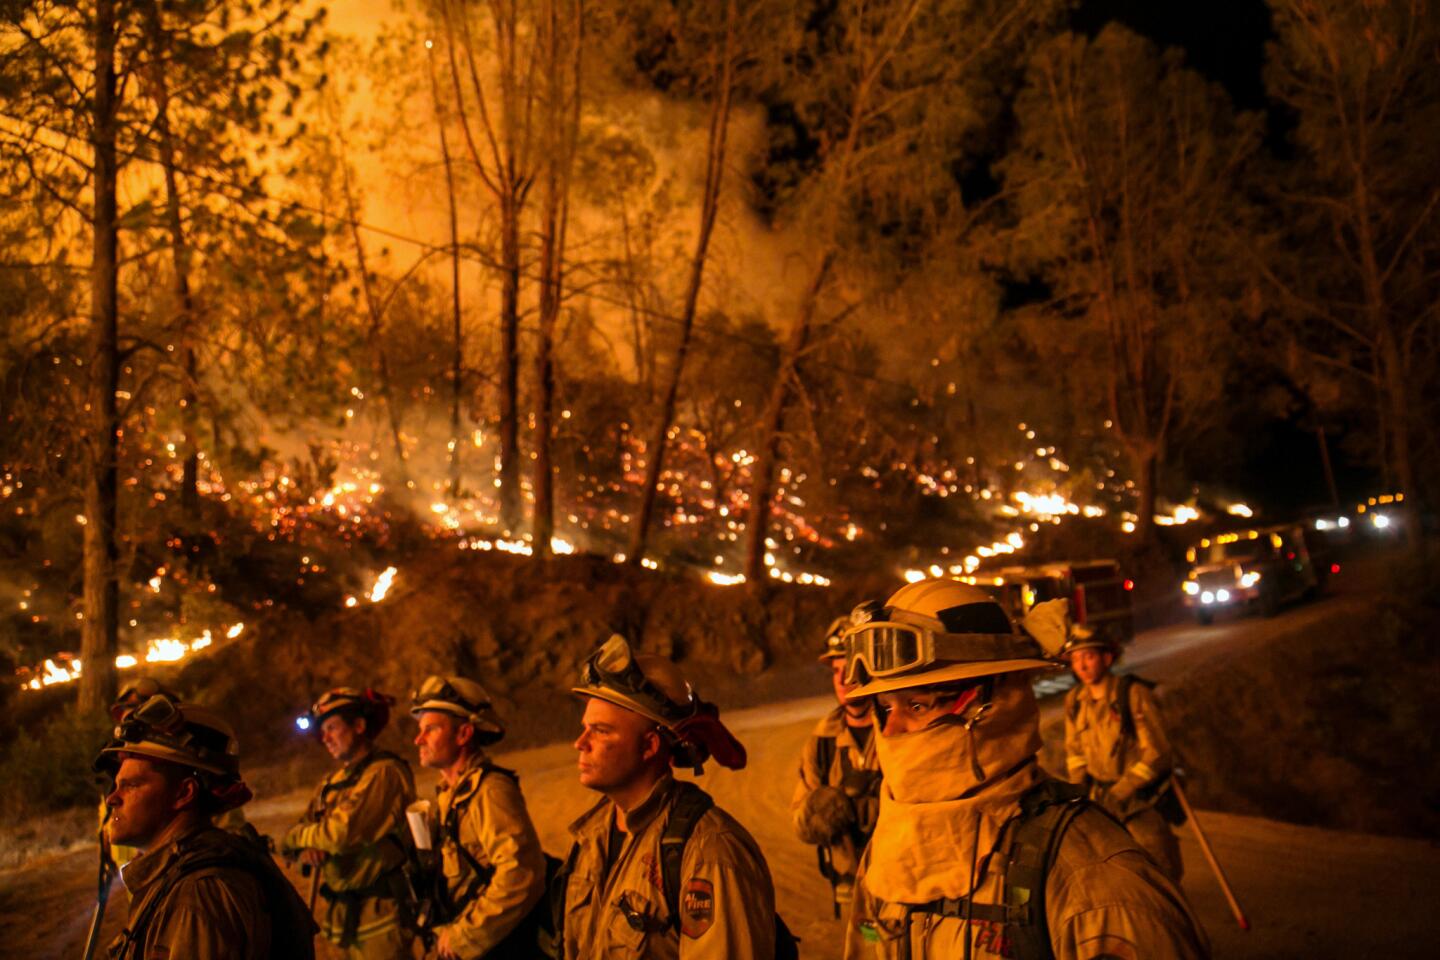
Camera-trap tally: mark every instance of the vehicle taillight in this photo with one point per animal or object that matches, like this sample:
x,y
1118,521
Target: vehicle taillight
x,y
1129,584
1334,568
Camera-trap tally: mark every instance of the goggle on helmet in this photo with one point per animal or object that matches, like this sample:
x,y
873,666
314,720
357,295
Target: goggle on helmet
x,y
932,632
161,729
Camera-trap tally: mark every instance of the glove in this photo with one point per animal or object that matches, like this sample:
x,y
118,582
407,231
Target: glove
x,y
826,815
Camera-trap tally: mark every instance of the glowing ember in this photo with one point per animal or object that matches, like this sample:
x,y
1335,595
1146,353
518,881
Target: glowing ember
x,y
165,650
382,586
725,579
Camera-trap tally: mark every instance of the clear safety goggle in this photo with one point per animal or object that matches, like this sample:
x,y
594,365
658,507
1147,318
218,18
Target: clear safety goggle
x,y
887,648
613,666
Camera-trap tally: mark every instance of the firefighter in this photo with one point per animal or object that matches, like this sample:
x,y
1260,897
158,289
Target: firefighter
x,y
976,852
837,798
492,867
1115,746
196,891
131,696
710,896
353,831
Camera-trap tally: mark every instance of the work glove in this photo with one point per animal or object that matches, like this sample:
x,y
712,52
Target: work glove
x,y
826,815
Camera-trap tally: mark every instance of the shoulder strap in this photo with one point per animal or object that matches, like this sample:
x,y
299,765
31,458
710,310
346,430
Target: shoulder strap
x,y
556,895
1046,812
451,827
1123,686
1032,839
278,896
824,756
354,774
690,805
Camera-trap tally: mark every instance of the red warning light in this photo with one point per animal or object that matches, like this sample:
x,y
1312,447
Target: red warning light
x,y
1334,568
1129,584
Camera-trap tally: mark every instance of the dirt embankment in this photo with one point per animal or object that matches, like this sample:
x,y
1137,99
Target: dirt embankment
x,y
522,629
1338,729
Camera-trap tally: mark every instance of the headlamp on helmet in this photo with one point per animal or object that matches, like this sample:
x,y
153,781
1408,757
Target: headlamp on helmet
x,y
353,703
190,736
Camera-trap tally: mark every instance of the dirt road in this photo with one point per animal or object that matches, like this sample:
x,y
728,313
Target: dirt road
x,y
1309,892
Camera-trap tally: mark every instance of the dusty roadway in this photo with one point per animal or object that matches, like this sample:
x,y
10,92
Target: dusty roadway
x,y
1309,892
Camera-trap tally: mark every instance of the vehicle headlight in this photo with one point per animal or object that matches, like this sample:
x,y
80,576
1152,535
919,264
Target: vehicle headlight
x,y
1221,596
1250,579
1380,520
1207,597
1343,522
1190,587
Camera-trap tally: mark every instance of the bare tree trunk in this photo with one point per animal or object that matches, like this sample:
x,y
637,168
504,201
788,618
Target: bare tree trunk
x,y
1397,399
709,208
762,481
508,178
1147,469
510,508
457,334
563,121
100,628
180,260
372,308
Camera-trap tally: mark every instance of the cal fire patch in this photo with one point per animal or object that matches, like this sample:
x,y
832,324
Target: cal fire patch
x,y
697,907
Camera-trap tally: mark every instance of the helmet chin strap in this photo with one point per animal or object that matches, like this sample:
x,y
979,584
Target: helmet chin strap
x,y
984,693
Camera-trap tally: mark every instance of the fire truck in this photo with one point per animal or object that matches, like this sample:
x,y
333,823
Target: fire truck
x,y
1099,593
1252,569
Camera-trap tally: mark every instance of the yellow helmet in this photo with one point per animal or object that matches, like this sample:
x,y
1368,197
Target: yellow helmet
x,y
462,698
934,631
655,688
646,683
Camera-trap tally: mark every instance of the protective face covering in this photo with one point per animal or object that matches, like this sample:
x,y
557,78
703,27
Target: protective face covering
x,y
948,790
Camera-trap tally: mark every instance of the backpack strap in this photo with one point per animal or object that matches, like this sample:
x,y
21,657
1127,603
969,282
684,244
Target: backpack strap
x,y
556,893
282,901
690,805
352,776
1031,839
824,756
1123,684
451,827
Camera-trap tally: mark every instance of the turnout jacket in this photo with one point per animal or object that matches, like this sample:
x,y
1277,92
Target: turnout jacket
x,y
357,818
1104,899
848,760
1096,747
485,814
727,900
217,912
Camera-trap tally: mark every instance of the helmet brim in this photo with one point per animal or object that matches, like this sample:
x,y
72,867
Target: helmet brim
x,y
157,751
948,674
623,701
484,719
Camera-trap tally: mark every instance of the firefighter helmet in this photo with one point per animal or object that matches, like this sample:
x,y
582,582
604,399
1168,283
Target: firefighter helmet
x,y
933,631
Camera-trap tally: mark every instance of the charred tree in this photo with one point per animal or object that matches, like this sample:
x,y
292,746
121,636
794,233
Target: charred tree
x,y
100,627
709,208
